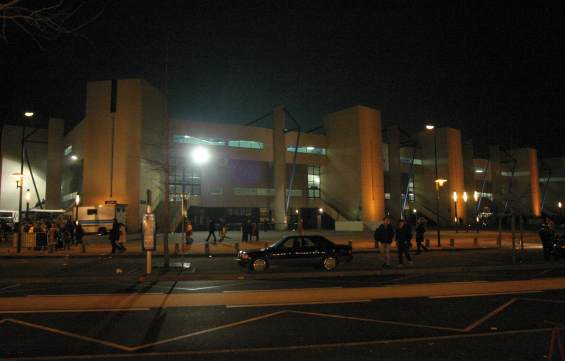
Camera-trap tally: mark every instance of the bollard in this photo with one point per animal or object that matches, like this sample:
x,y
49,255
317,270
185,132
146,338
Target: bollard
x,y
451,242
427,243
236,247
207,249
476,242
350,244
177,249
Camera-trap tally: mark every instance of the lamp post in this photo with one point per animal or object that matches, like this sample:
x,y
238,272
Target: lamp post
x,y
77,202
320,212
476,198
19,184
438,183
455,197
28,199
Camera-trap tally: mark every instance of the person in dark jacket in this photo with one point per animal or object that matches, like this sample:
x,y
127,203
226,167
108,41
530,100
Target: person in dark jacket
x,y
547,236
79,233
403,237
211,231
383,236
245,228
115,236
420,231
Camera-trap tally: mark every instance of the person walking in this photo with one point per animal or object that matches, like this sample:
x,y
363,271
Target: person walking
x,y
403,237
115,236
79,233
384,235
188,233
245,231
211,231
420,232
547,237
123,237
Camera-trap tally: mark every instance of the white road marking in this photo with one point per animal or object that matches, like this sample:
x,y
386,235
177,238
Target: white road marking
x,y
485,294
284,290
196,289
164,354
10,286
490,315
80,311
297,303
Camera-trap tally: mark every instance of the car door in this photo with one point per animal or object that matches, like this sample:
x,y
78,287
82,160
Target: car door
x,y
309,251
284,253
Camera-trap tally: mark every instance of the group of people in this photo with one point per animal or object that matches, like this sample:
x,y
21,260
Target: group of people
x,y
402,233
249,230
49,235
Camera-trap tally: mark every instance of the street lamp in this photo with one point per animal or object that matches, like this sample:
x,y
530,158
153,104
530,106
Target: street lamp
x,y
200,155
439,183
28,199
455,197
77,202
560,205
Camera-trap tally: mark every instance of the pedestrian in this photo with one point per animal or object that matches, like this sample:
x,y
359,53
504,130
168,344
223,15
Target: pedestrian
x,y
51,237
420,232
221,230
245,231
79,233
253,231
70,228
114,236
188,233
547,237
256,232
403,237
383,236
211,231
123,237
300,226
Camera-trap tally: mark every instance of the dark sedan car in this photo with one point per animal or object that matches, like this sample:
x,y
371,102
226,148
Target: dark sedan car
x,y
296,250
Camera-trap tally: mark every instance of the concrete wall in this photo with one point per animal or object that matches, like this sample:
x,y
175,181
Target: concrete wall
x,y
353,181
11,137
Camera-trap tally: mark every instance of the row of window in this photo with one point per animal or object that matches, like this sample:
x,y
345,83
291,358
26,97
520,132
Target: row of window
x,y
247,144
184,179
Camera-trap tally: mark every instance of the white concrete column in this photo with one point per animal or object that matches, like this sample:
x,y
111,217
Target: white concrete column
x,y
55,157
279,169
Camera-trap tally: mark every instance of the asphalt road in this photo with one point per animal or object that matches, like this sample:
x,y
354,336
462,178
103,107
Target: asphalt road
x,y
506,327
468,324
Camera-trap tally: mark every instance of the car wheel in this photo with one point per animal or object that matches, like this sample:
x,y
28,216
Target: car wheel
x,y
329,263
258,264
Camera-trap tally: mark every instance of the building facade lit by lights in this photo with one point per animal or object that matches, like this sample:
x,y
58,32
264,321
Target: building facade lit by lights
x,y
353,169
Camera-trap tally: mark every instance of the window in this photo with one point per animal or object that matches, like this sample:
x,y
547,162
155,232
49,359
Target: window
x,y
406,160
68,150
249,144
313,182
307,149
187,139
183,179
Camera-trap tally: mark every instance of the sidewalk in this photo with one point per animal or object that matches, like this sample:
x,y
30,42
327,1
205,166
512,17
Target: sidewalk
x,y
360,241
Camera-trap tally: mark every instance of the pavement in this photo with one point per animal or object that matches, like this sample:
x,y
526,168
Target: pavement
x,y
360,241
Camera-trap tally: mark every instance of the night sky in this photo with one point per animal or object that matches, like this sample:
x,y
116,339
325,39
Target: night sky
x,y
496,73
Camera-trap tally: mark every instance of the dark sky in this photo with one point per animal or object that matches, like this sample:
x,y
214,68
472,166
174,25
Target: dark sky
x,y
498,73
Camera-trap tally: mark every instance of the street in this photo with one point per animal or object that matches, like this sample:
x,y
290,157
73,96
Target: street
x,y
81,308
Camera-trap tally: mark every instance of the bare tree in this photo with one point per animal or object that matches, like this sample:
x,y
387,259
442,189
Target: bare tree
x,y
46,21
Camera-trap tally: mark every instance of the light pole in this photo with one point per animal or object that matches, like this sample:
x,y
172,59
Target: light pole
x,y
455,197
21,180
28,199
77,202
438,183
320,212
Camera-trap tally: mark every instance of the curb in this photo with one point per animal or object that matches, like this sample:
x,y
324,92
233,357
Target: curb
x,y
187,275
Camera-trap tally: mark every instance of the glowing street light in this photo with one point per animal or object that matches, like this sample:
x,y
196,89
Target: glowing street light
x,y
29,114
320,210
439,182
430,126
74,157
465,197
455,197
200,155
476,196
